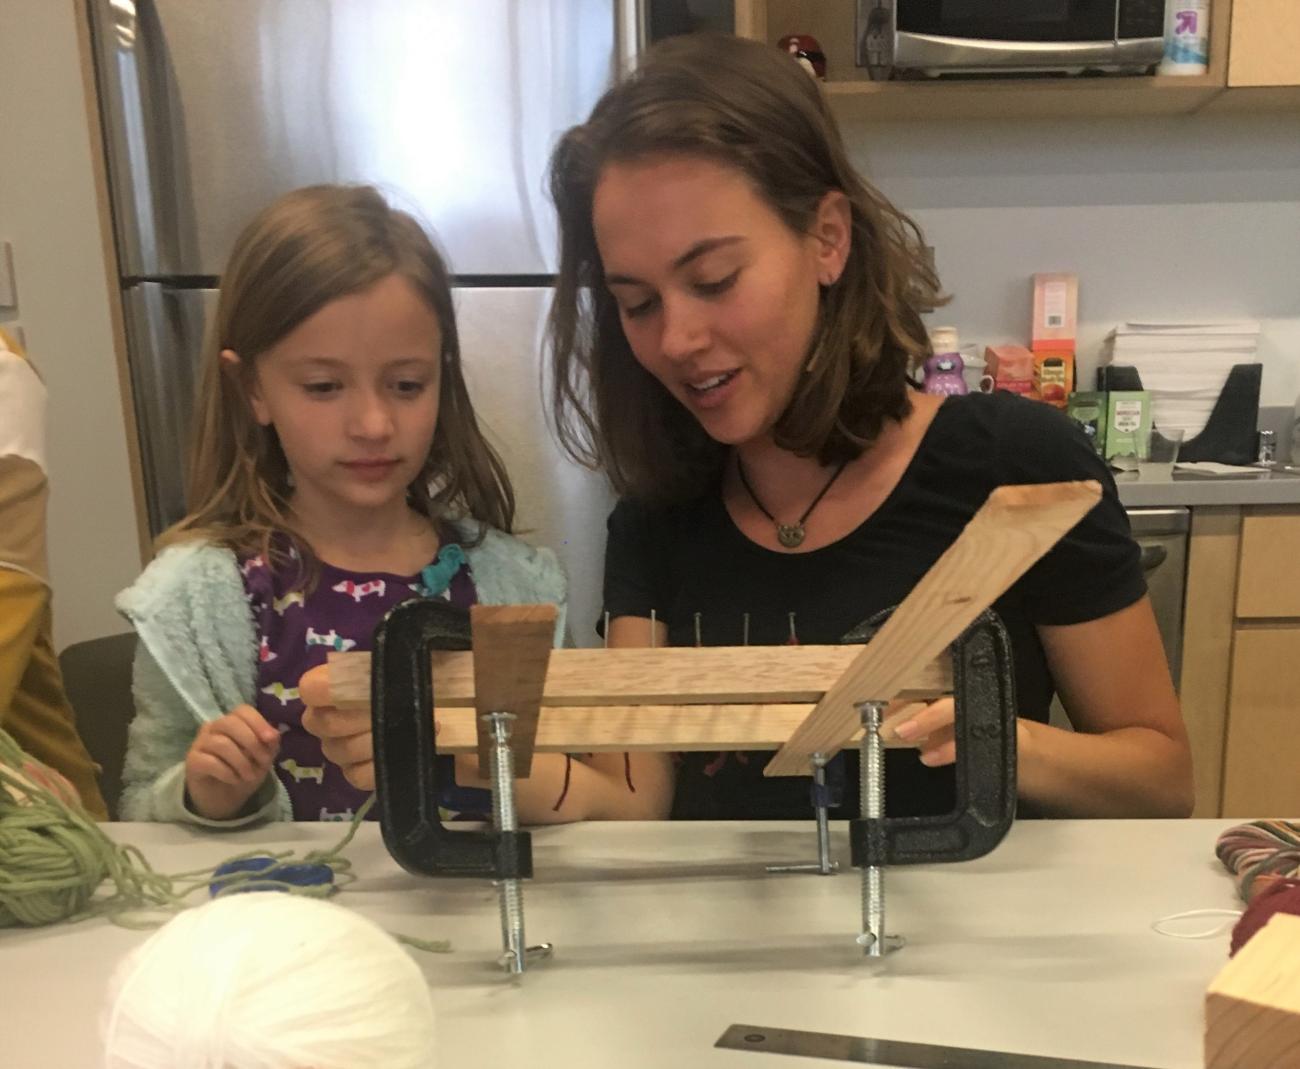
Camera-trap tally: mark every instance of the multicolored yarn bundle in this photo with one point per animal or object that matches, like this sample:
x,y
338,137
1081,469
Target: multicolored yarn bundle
x,y
1260,853
1264,858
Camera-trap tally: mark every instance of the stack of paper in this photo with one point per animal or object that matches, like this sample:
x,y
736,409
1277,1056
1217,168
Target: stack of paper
x,y
1183,365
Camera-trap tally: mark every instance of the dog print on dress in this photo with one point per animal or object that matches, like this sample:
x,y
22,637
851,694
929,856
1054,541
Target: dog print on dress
x,y
299,627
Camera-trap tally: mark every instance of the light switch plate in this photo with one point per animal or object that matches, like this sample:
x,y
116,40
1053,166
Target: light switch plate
x,y
8,292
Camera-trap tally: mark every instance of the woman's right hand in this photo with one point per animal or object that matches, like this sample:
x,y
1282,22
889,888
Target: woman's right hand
x,y
228,761
344,734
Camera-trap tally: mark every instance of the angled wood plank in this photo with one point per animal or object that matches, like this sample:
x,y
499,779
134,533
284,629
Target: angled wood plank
x,y
714,675
512,645
1013,529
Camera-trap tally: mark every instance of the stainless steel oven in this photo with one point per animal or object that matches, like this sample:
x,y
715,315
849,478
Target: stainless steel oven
x,y
940,37
1161,534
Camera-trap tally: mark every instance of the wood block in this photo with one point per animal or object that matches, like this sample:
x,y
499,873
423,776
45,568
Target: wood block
x,y
1013,529
712,675
1252,1008
512,645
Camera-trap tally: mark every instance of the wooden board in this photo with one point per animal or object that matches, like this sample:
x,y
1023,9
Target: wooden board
x,y
1252,1008
512,645
714,675
1013,529
620,728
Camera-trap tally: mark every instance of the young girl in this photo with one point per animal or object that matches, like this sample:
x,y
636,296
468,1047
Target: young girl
x,y
735,316
338,470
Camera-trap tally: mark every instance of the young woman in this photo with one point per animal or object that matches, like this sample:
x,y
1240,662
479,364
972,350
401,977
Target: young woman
x,y
735,318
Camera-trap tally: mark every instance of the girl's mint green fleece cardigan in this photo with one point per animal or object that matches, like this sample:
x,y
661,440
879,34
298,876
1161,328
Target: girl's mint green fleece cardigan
x,y
197,658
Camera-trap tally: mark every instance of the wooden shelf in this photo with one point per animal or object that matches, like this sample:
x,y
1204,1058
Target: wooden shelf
x,y
855,97
1037,98
1255,99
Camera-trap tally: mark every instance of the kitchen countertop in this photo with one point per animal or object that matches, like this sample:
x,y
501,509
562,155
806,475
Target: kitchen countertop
x,y
1266,488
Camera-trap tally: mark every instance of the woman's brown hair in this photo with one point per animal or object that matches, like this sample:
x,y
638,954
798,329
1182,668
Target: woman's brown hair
x,y
750,107
306,249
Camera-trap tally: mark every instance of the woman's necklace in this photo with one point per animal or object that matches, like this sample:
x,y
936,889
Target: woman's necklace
x,y
789,535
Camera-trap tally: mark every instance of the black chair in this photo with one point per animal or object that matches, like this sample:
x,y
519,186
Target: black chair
x,y
97,679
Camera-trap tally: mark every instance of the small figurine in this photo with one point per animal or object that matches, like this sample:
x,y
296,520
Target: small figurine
x,y
943,375
807,51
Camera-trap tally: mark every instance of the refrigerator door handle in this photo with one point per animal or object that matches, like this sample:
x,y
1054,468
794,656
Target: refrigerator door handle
x,y
630,35
123,69
166,326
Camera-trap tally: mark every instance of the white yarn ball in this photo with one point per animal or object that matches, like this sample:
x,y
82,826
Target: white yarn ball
x,y
266,980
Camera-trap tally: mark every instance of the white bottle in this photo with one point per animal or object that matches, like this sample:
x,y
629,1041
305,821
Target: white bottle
x,y
1187,37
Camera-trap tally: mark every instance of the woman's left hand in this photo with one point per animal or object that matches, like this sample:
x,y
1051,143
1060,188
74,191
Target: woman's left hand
x,y
1128,755
932,729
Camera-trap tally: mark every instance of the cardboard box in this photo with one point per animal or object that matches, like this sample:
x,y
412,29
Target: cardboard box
x,y
1088,410
1128,423
1056,313
1010,368
1054,377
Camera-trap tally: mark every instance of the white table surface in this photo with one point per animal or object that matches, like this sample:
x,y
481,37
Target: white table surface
x,y
666,934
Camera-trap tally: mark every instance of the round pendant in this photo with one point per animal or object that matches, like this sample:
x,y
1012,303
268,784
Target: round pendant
x,y
789,535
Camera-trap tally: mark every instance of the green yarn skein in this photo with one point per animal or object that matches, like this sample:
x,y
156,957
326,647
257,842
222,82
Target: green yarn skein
x,y
54,857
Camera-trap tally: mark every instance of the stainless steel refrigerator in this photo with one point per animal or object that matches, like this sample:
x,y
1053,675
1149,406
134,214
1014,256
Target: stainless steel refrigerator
x,y
211,108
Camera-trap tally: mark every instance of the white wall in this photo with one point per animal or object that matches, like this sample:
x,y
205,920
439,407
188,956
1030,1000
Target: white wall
x,y
558,503
1191,217
48,213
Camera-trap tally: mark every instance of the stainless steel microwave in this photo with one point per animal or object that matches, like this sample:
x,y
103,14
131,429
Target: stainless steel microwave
x,y
942,37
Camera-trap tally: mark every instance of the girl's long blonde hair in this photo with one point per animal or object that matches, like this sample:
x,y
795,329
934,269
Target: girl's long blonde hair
x,y
306,249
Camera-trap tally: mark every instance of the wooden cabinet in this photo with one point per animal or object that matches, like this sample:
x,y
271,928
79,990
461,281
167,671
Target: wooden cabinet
x,y
1254,46
1261,761
1265,43
1268,582
1240,683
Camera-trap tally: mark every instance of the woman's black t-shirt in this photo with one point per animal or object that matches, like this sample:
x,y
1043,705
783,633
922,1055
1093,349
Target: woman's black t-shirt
x,y
691,558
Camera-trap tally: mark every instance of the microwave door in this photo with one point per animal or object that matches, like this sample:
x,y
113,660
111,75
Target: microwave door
x,y
1010,21
941,37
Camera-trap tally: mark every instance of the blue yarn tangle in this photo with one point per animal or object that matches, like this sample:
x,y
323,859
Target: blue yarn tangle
x,y
436,577
241,874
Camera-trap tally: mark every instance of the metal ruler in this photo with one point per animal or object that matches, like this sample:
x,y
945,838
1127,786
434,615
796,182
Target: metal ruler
x,y
888,1052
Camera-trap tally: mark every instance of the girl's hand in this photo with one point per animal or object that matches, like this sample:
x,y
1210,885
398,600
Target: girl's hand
x,y
344,733
227,762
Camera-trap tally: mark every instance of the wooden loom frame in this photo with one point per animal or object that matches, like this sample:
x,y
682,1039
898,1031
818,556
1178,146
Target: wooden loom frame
x,y
798,700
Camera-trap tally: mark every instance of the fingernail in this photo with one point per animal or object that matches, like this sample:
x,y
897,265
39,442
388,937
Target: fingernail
x,y
928,759
907,730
